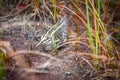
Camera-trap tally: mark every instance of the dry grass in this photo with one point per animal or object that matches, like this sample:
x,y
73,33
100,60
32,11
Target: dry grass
x,y
102,53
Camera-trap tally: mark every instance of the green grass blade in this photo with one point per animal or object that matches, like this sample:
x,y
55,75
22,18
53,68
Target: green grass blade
x,y
89,28
54,9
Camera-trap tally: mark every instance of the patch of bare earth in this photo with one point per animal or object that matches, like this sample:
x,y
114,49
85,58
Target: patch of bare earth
x,y
29,63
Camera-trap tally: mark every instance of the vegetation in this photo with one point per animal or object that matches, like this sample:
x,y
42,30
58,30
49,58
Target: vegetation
x,y
2,66
95,21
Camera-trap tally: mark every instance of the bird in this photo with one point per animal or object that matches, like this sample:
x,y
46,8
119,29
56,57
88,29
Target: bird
x,y
55,35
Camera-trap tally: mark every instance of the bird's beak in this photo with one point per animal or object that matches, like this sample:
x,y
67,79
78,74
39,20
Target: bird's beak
x,y
38,44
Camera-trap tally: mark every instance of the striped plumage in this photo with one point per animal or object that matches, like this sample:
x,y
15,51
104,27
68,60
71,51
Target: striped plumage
x,y
57,31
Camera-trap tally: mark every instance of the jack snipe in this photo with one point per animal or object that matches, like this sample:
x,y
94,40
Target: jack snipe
x,y
58,32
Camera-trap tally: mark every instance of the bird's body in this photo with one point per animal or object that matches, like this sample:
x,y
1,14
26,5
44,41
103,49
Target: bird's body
x,y
57,34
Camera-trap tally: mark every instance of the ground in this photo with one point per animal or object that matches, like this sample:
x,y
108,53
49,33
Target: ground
x,y
73,61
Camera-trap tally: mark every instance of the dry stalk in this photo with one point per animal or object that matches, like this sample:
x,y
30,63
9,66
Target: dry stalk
x,y
19,60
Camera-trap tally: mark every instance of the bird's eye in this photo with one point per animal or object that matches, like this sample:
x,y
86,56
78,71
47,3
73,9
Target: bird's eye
x,y
46,38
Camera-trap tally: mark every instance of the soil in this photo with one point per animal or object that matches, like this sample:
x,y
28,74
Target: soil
x,y
67,64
